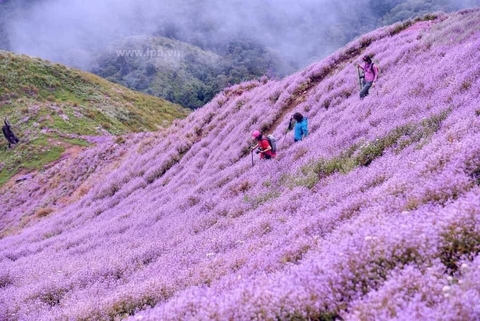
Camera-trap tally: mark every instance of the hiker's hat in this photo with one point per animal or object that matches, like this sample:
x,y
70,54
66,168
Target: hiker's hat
x,y
256,134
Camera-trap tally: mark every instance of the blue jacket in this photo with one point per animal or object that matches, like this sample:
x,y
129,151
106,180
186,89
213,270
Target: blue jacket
x,y
301,130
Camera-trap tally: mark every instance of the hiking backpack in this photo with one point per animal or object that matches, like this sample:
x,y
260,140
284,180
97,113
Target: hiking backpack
x,y
373,70
273,142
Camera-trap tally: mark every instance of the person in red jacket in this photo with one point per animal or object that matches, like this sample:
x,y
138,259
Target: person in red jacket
x,y
263,146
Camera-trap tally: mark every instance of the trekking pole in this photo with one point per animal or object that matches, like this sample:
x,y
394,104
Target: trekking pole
x,y
251,152
359,78
289,128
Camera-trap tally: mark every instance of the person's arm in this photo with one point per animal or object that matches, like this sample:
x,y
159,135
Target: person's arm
x,y
375,70
305,129
361,67
264,147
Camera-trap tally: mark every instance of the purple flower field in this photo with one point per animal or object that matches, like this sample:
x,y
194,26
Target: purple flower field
x,y
374,216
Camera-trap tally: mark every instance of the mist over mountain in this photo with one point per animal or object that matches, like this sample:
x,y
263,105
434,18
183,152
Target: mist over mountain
x,y
251,38
300,32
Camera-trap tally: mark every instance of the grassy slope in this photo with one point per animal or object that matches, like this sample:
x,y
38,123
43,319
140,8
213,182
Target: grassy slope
x,y
51,107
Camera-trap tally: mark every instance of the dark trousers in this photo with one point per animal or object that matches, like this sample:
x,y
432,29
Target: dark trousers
x,y
365,88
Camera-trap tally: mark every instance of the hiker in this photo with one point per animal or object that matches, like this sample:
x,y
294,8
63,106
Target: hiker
x,y
263,146
300,124
9,135
370,74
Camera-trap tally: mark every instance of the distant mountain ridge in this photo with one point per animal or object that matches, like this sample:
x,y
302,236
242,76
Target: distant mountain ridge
x,y
161,67
177,71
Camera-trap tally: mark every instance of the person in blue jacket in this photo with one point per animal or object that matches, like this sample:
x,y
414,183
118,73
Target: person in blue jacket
x,y
301,126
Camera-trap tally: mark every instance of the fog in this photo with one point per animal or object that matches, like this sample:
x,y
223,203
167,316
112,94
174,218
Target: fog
x,y
300,31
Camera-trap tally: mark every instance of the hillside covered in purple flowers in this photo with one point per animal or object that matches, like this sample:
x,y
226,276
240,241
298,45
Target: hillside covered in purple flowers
x,y
374,216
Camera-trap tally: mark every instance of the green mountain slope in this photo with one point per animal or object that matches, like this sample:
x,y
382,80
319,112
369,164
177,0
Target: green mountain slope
x,y
52,107
180,72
